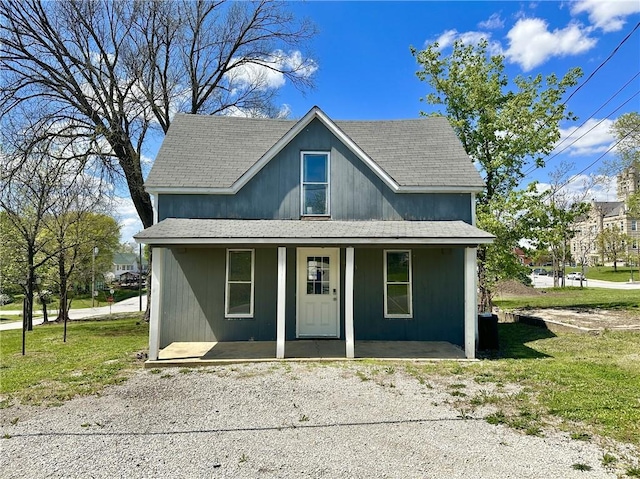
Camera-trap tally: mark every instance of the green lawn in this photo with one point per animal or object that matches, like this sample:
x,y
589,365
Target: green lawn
x,y
606,273
565,376
96,354
574,297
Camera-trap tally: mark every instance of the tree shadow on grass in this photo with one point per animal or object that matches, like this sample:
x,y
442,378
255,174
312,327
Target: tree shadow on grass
x,y
514,338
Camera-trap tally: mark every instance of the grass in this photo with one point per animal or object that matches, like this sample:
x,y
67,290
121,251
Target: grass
x,y
574,297
96,354
592,381
606,273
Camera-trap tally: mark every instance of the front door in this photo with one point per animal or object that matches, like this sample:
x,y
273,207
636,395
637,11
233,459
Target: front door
x,y
318,292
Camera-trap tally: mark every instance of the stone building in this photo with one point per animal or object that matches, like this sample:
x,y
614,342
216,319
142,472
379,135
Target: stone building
x,y
608,214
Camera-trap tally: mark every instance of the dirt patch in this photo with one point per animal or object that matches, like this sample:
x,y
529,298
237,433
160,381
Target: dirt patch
x,y
597,319
515,288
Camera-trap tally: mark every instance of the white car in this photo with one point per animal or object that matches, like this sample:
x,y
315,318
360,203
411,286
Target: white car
x,y
577,275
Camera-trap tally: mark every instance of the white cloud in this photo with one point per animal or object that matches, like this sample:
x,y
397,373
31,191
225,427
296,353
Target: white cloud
x,y
125,213
608,15
597,138
532,44
267,73
494,22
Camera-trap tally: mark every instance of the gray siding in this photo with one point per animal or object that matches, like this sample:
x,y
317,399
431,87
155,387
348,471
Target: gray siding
x,y
193,297
356,192
438,297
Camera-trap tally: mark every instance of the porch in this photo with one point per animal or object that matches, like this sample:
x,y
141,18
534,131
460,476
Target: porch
x,y
208,353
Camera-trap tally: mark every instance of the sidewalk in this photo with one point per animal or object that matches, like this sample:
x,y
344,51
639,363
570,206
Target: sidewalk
x,y
130,305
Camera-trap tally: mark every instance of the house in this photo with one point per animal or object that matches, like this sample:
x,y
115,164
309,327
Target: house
x,y
608,214
127,263
279,230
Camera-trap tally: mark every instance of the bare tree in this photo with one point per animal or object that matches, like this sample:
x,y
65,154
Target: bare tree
x,y
108,74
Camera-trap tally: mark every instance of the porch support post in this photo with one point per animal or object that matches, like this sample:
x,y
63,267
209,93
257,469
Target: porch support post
x,y
470,302
281,301
157,271
348,302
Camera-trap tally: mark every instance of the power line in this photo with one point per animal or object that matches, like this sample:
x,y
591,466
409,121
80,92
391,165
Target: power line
x,y
597,159
615,50
591,75
533,168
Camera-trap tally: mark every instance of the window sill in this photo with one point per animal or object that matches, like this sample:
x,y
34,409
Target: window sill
x,y
315,217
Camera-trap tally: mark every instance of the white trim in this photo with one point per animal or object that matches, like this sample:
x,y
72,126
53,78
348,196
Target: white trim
x,y
473,209
300,254
154,206
157,272
348,302
281,302
232,190
226,285
386,283
328,182
470,302
316,241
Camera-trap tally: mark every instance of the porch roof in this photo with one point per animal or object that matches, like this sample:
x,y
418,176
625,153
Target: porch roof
x,y
179,231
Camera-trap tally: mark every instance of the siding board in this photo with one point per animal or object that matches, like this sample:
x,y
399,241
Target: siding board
x,y
438,297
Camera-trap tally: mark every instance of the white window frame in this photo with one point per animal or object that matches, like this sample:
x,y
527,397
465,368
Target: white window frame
x,y
410,283
302,182
634,225
227,283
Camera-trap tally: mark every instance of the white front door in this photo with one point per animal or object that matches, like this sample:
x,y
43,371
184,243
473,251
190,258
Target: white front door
x,y
318,292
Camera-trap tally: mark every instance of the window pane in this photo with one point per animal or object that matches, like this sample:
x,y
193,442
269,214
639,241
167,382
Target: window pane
x,y
315,169
317,275
239,298
398,299
239,265
315,200
398,267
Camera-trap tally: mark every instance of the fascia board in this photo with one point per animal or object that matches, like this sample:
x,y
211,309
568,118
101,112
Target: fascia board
x,y
466,241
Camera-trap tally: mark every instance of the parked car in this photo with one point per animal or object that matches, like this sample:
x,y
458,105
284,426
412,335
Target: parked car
x,y
576,275
540,271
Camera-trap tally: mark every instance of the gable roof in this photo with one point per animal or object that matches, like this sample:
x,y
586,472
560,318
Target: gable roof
x,y
127,258
218,154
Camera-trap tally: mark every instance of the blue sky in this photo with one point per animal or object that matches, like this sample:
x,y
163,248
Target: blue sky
x,y
366,71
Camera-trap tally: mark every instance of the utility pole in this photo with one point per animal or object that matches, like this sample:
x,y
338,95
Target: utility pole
x,y
93,275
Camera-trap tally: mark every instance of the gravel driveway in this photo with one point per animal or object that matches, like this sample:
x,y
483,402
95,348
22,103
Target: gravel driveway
x,y
279,420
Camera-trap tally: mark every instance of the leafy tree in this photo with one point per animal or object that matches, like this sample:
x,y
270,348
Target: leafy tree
x,y
104,75
612,243
503,126
627,132
26,198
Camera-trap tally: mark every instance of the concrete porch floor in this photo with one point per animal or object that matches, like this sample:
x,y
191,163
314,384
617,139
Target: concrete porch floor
x,y
200,354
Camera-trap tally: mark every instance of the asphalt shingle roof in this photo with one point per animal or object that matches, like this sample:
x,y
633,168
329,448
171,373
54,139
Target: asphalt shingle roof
x,y
215,231
215,151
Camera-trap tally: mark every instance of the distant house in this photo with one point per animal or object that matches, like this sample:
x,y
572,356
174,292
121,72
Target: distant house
x,y
522,257
124,263
280,230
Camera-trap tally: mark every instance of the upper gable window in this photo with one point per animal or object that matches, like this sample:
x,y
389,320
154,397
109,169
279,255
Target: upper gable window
x,y
315,183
